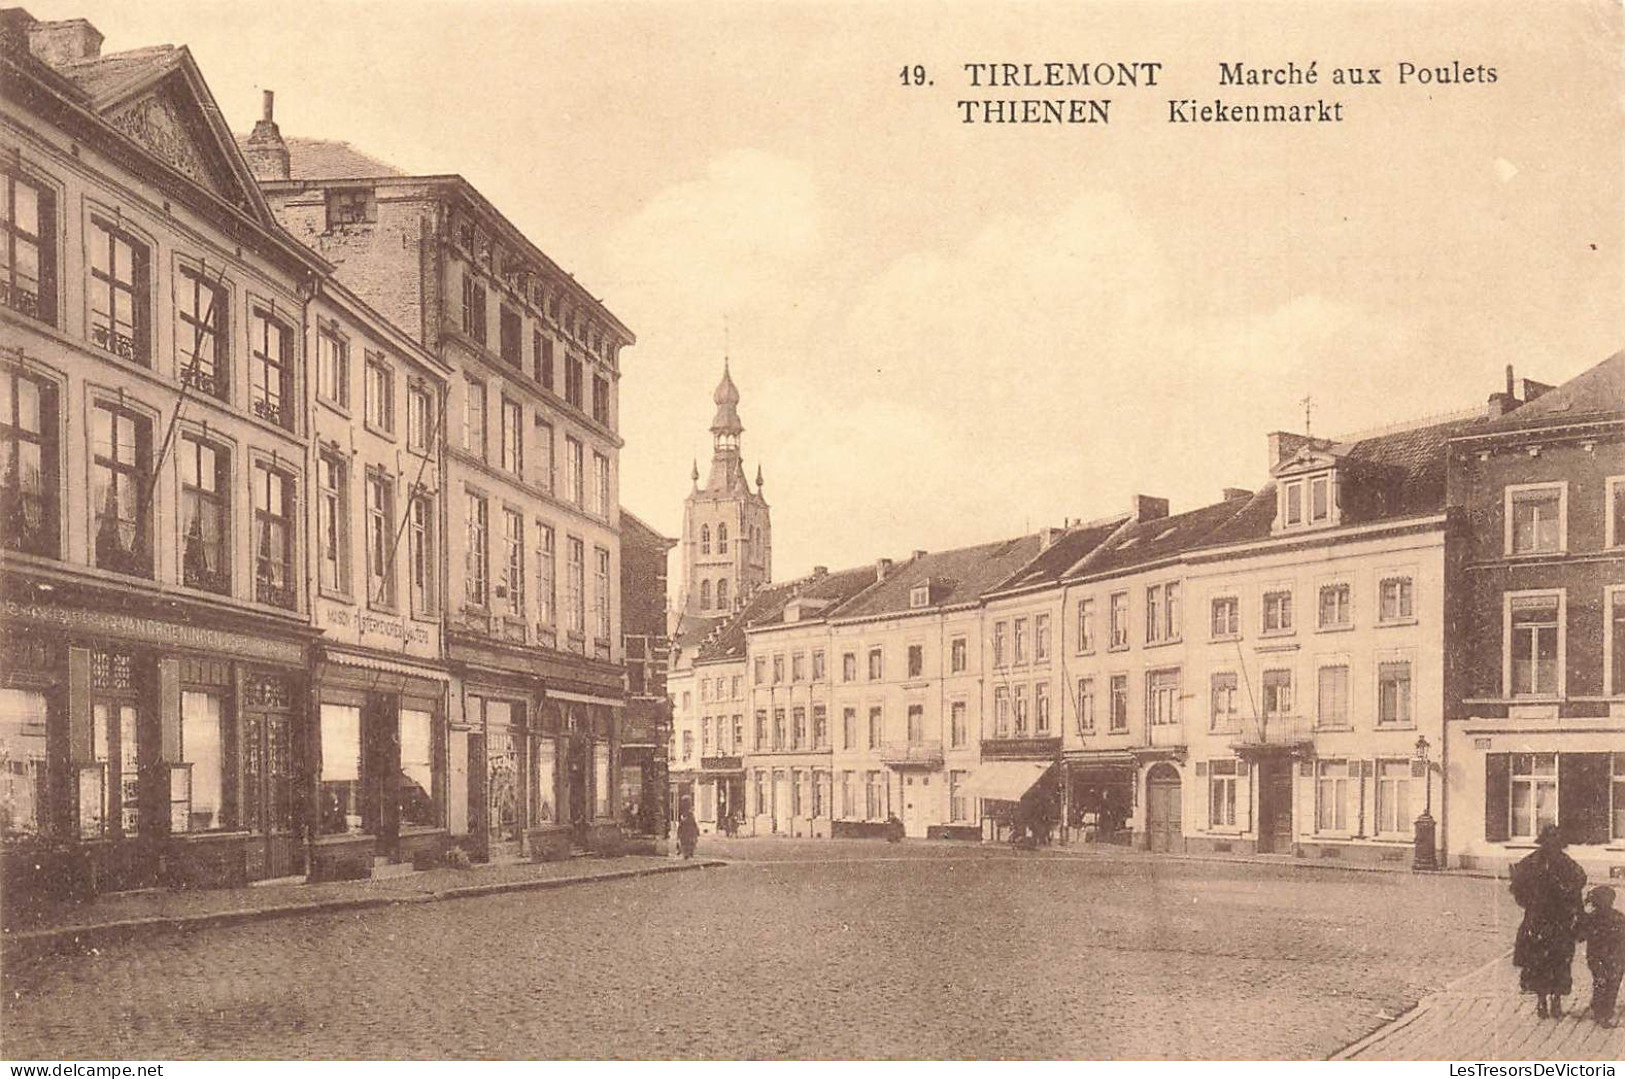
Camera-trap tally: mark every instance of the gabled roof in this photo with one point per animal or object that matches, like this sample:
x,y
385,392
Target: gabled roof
x,y
961,576
727,641
331,159
1595,394
1146,542
835,589
635,532
1072,546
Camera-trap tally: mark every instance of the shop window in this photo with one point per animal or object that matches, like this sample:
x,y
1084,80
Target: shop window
x,y
119,292
600,779
1335,784
341,769
205,508
1221,789
274,538
26,779
1534,793
414,786
121,491
205,741
28,248
1393,815
201,320
271,370
29,480
543,792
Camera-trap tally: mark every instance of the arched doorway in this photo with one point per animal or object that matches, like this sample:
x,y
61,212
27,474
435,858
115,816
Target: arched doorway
x,y
1164,827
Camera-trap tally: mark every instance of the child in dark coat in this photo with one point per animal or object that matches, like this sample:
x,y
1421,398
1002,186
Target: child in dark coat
x,y
1603,929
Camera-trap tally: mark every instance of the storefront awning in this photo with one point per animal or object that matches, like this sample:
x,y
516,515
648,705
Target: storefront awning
x,y
584,698
1005,781
388,666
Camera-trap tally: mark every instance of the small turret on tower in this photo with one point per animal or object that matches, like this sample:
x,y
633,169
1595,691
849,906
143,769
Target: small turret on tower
x,y
727,537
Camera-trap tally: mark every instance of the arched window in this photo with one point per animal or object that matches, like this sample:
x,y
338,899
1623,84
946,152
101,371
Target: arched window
x,y
722,543
722,594
705,539
705,595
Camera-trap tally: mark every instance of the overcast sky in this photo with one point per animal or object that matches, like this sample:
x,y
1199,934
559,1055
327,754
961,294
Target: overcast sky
x,y
946,334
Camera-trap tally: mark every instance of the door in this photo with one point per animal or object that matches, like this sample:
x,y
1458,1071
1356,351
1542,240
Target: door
x,y
1164,809
273,807
916,796
1275,810
477,817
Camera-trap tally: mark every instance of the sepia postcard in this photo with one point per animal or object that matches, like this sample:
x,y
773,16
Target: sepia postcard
x,y
720,530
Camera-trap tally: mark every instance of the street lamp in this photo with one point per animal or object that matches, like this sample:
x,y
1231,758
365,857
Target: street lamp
x,y
1426,849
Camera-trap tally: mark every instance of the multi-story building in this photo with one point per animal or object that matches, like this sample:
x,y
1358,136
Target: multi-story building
x,y
155,421
1537,733
646,646
727,528
533,633
911,681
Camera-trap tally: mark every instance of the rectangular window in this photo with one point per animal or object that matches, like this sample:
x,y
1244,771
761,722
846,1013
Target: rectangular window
x,y
572,381
274,537
1041,638
600,485
1221,789
206,735
1086,625
1277,612
688,748
414,785
600,399
818,673
574,462
543,466
419,419
1394,693
1119,718
798,728
1394,799
1226,617
477,556
352,206
1292,514
600,591
544,360
877,796
1335,784
778,669
474,417
1001,712
1086,706
29,455
957,655
1162,698
1018,637
1534,520
510,334
849,667
341,769
545,574
820,729
119,293
1534,645
916,724
200,312
1332,697
28,248
1336,610
420,533
379,395
121,490
1041,717
1222,691
1155,631
877,668
957,812
512,589
473,308
705,736
916,661
760,732
1616,511
576,587
1616,638
513,437
779,731
759,675
1119,620
998,644
380,541
205,514
1320,499
957,732
798,667
332,369
1277,688
24,790
271,370
849,728
876,728
1395,599
332,523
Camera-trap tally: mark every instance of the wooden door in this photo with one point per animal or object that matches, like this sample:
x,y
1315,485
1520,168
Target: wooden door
x,y
1275,807
916,793
1164,810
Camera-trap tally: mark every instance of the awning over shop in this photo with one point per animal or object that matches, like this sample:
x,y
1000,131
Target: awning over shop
x,y
584,698
1005,781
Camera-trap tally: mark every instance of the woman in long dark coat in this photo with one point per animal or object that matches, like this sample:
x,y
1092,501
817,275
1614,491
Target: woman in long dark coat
x,y
1549,886
688,832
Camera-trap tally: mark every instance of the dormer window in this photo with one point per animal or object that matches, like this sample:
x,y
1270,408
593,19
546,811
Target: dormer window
x,y
920,595
1307,501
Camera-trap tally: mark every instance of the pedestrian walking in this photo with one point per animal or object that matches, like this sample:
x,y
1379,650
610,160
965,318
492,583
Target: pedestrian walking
x,y
1603,929
688,833
1549,886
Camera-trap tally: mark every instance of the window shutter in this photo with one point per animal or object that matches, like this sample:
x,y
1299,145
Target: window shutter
x,y
1497,796
81,747
1582,796
169,710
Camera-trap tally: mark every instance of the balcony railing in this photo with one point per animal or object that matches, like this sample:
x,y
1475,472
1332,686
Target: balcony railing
x,y
118,344
912,754
20,299
1022,748
275,593
1274,732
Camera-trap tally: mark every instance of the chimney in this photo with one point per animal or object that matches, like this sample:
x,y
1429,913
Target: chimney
x,y
1284,445
917,555
1505,401
1047,537
65,42
882,568
1231,494
266,153
820,571
1147,508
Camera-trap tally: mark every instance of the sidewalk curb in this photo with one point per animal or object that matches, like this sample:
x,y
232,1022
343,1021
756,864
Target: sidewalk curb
x,y
1423,1006
32,944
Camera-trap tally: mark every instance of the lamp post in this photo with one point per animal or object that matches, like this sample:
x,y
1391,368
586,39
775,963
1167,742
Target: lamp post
x,y
1426,848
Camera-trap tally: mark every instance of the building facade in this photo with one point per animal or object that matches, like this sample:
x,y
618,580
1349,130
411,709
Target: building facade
x,y
646,648
727,528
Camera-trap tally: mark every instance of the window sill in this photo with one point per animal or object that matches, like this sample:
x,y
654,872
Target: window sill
x,y
1172,642
1380,727
337,595
1276,634
1225,638
1339,728
1389,623
334,406
1335,629
1118,648
382,432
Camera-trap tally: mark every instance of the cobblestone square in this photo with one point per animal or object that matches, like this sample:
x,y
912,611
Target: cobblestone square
x,y
844,949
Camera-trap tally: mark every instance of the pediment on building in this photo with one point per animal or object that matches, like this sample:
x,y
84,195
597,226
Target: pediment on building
x,y
1306,460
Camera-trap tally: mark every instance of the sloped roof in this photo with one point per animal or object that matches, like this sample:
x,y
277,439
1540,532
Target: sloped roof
x,y
1063,554
728,640
836,589
330,159
106,77
1594,394
1145,542
1415,461
636,532
964,574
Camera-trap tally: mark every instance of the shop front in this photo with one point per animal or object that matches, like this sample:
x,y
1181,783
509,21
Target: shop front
x,y
1099,794
143,750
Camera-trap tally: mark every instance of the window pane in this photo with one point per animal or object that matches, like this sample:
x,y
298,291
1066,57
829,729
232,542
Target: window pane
x,y
202,730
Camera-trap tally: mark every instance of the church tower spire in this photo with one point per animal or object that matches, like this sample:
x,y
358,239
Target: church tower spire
x,y
727,537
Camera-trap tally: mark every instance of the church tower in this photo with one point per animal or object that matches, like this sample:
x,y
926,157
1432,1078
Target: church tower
x,y
727,538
